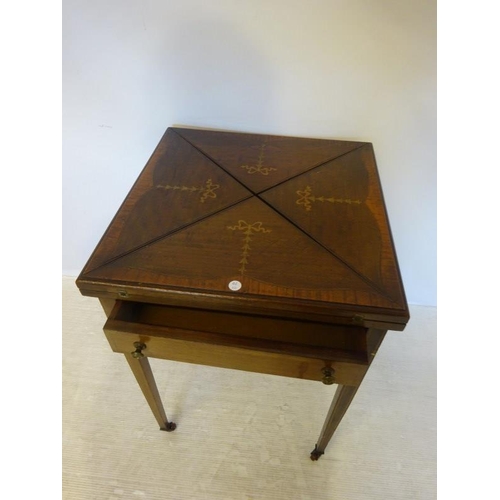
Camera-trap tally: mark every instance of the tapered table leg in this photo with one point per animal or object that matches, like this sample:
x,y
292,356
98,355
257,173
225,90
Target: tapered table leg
x,y
341,401
144,376
344,395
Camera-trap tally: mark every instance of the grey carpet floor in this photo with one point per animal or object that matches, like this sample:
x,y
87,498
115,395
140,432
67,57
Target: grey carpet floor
x,y
242,435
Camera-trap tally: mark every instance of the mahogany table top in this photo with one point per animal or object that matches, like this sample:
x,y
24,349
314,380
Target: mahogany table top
x,y
255,224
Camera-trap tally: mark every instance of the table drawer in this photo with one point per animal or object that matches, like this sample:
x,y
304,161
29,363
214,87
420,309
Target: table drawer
x,y
228,351
348,342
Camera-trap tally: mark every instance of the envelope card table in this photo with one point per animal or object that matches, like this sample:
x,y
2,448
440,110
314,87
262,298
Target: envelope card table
x,y
253,252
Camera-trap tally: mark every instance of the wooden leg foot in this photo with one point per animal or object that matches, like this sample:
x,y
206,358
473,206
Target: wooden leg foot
x,y
171,426
315,454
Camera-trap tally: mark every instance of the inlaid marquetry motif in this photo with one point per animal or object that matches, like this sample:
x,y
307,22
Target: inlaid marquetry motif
x,y
206,191
306,198
259,166
248,231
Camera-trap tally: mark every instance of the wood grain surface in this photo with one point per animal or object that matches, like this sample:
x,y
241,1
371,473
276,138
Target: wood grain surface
x,y
296,222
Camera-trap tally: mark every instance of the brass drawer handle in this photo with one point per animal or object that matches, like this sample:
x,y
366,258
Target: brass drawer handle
x,y
139,346
329,375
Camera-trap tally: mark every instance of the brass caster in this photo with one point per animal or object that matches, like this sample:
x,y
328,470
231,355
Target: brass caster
x,y
315,454
171,426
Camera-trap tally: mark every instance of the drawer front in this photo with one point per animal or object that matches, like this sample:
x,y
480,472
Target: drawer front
x,y
227,356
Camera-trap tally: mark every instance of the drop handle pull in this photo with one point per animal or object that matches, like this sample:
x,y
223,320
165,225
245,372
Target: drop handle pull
x,y
139,347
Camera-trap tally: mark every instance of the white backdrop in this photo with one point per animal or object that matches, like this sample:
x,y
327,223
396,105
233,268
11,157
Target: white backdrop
x,y
347,69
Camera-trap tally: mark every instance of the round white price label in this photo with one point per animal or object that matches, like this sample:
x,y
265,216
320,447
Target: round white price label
x,y
234,285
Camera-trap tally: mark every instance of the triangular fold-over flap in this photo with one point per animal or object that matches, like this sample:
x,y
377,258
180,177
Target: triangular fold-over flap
x,y
262,161
340,205
249,243
178,186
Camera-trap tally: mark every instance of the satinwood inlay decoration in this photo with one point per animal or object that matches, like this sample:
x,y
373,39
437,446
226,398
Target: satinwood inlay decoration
x,y
259,166
306,197
248,231
206,191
